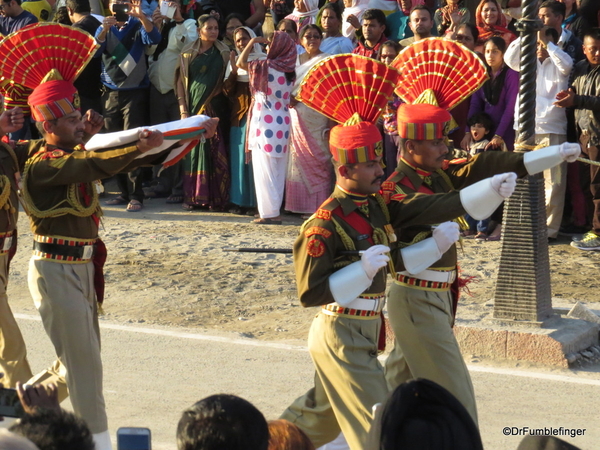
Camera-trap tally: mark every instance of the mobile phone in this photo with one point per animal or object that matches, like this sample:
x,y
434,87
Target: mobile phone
x,y
133,438
167,10
120,10
10,405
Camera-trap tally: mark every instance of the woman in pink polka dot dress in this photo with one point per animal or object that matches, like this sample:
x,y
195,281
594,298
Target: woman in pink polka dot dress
x,y
271,82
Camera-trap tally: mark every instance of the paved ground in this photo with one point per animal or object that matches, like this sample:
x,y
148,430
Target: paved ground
x,y
152,374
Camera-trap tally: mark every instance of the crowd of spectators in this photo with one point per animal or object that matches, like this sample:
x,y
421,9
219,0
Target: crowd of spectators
x,y
168,60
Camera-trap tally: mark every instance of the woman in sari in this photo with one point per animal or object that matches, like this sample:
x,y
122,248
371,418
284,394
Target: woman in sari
x,y
491,22
271,82
199,81
310,172
305,12
237,88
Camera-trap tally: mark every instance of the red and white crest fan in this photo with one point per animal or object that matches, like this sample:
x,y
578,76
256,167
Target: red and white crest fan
x,y
30,54
438,71
344,85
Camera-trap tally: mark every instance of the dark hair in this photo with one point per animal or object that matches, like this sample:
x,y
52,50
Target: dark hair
x,y
593,33
395,45
498,42
62,16
552,34
472,28
557,8
290,21
420,7
484,119
79,6
234,16
55,430
375,14
284,435
311,26
335,7
204,18
422,415
222,421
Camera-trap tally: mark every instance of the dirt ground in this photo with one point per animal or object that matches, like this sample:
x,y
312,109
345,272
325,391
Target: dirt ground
x,y
168,267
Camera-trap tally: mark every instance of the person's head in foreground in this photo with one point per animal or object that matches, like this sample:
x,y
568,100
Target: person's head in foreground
x,y
55,430
222,422
422,415
284,435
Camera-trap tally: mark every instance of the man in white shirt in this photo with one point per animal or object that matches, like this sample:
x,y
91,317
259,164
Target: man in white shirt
x,y
553,70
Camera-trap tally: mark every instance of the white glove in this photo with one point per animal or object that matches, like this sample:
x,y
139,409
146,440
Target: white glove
x,y
373,259
570,151
504,184
445,235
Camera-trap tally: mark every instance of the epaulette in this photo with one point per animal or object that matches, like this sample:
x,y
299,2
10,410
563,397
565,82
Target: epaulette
x,y
453,162
398,197
53,154
323,214
317,230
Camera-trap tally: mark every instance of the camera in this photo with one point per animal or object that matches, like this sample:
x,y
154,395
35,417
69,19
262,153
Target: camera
x,y
120,10
133,438
10,405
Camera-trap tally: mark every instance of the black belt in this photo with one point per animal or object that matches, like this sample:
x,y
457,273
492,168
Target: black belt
x,y
61,250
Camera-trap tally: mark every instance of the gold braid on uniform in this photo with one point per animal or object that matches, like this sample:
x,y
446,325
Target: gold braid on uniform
x,y
75,207
383,207
348,244
5,202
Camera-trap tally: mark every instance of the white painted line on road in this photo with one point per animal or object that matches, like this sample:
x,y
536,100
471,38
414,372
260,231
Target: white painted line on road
x,y
538,375
257,343
178,334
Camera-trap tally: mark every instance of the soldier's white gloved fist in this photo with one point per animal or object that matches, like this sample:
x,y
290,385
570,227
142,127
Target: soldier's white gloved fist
x,y
504,184
445,235
373,259
570,151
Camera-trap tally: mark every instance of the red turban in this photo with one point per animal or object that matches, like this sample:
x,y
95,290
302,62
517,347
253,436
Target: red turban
x,y
355,143
422,121
53,99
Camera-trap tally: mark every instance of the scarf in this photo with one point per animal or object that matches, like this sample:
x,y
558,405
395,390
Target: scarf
x,y
281,57
493,86
313,9
357,9
257,53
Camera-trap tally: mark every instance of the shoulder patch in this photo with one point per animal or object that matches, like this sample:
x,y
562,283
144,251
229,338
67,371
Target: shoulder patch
x,y
387,190
315,248
323,214
398,197
317,230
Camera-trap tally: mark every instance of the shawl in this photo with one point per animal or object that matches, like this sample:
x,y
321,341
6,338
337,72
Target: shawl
x,y
257,53
487,31
281,57
357,9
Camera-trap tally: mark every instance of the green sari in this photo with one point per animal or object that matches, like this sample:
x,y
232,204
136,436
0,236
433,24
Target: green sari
x,y
206,172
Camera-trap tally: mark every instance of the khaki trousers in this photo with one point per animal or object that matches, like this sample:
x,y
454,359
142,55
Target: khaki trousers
x,y
13,354
555,186
349,380
65,297
425,345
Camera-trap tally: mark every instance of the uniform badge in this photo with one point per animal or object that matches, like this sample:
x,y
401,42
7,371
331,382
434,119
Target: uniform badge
x,y
315,248
398,197
317,230
323,214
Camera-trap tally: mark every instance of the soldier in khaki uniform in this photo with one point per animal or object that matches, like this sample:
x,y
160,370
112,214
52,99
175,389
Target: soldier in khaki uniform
x,y
422,300
65,272
350,289
13,353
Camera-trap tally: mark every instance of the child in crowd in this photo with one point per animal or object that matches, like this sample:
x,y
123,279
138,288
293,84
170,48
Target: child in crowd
x,y
481,128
